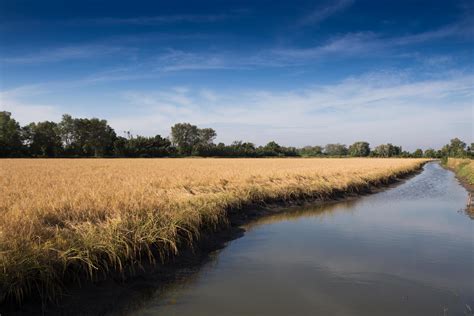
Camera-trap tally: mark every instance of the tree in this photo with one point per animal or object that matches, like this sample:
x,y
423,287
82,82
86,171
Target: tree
x,y
236,149
11,144
335,150
206,136
359,149
205,145
67,131
470,150
189,139
97,137
120,147
270,149
404,154
141,146
396,150
43,139
86,137
311,151
244,149
455,148
430,153
184,136
418,153
387,150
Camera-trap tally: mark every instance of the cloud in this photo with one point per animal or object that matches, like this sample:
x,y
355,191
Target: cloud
x,y
130,49
347,44
159,19
370,43
65,53
18,102
440,33
177,60
354,44
378,107
320,14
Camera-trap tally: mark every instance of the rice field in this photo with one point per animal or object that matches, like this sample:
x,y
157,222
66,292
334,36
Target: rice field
x,y
65,220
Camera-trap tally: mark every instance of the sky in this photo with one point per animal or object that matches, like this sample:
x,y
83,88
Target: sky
x,y
296,72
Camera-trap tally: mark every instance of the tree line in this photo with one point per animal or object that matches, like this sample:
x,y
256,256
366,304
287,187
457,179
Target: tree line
x,y
84,137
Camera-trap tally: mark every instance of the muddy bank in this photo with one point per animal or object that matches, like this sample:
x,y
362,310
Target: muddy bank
x,y
469,188
118,294
403,251
470,200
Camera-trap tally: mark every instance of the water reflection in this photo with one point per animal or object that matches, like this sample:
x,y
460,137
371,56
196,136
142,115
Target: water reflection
x,y
404,251
309,211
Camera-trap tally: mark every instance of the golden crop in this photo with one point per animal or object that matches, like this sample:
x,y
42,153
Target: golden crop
x,y
65,219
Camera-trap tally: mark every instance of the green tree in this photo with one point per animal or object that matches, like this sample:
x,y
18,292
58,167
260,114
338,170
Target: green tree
x,y
388,150
97,137
470,150
272,148
396,150
11,144
430,153
67,132
86,137
43,139
184,136
206,136
204,146
456,148
236,149
311,151
382,150
404,154
359,149
141,146
418,153
120,147
189,139
335,150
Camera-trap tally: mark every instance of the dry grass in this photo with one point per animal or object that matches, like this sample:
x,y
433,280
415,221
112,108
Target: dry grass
x,y
464,168
62,220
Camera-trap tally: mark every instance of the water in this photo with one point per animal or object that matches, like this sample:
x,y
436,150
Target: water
x,y
405,251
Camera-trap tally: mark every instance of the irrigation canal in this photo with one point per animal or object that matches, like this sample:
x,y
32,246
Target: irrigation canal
x,y
408,250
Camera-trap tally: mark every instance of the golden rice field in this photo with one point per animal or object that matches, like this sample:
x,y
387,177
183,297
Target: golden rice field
x,y
64,220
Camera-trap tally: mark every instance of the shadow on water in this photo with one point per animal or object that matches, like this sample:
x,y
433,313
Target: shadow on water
x,y
408,250
119,297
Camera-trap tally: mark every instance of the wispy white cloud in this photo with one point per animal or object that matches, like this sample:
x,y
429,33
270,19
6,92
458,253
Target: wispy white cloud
x,y
371,43
356,44
378,107
347,44
19,101
130,50
440,33
65,53
176,60
321,13
159,19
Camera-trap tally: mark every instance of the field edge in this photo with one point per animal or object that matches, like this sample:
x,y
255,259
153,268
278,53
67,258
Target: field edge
x,y
215,238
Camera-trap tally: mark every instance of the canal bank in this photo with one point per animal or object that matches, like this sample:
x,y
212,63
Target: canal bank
x,y
404,251
167,291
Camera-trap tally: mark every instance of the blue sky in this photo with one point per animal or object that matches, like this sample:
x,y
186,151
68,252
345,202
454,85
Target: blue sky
x,y
297,72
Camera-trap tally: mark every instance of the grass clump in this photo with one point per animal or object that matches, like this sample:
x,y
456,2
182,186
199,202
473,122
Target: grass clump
x,y
67,220
463,167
